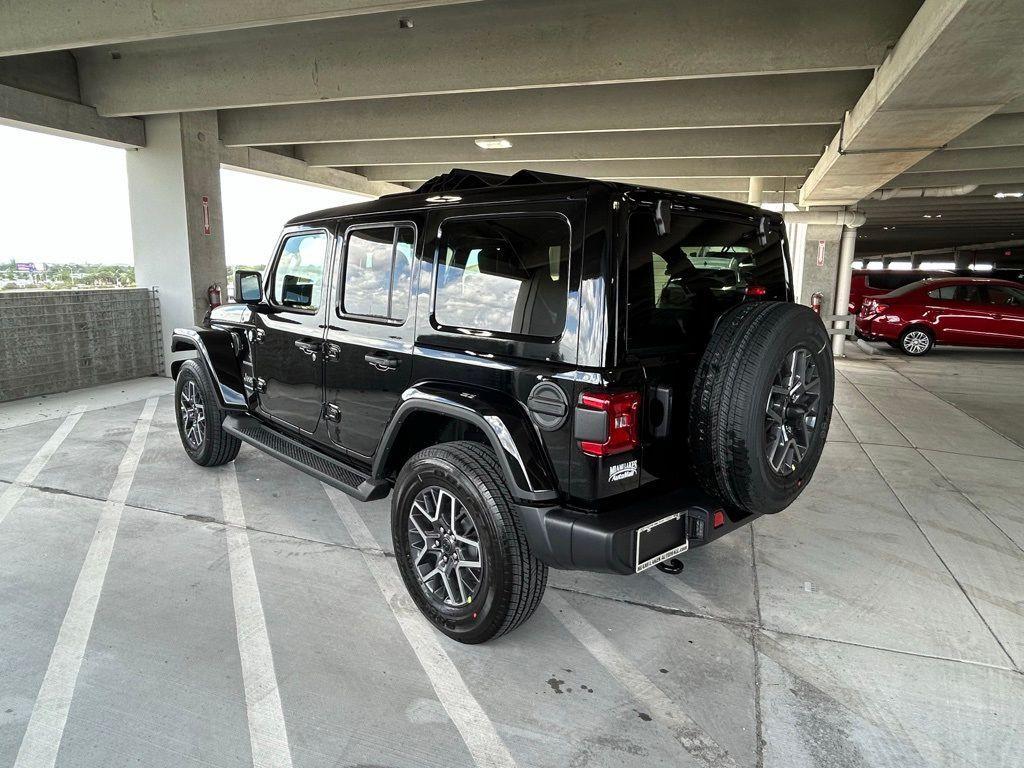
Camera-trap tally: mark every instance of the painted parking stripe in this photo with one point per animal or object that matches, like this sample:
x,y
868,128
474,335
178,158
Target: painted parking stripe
x,y
475,727
268,736
13,493
694,739
49,715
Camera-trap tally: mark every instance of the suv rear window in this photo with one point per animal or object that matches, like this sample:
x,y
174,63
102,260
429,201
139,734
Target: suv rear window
x,y
679,282
504,274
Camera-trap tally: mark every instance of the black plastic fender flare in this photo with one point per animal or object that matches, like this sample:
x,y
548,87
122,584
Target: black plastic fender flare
x,y
217,351
511,435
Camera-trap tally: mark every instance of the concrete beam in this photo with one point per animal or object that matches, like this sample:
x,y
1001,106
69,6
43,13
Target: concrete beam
x,y
52,25
610,169
998,177
956,64
490,46
35,112
280,166
719,185
994,131
795,99
787,141
971,160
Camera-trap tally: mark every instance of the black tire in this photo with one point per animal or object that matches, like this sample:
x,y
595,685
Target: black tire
x,y
916,341
512,580
216,446
731,410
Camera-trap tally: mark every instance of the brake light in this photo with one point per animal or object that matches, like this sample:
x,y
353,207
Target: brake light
x,y
620,409
756,290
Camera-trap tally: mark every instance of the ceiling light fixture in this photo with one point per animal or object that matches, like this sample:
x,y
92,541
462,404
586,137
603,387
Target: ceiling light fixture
x,y
494,143
443,199
1001,195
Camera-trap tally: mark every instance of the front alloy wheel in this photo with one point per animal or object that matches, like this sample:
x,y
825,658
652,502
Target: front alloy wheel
x,y
791,415
446,548
193,414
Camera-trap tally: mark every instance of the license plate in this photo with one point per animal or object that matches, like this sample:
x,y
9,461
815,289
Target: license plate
x,y
660,541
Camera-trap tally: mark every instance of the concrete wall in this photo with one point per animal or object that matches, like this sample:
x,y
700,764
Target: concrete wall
x,y
53,341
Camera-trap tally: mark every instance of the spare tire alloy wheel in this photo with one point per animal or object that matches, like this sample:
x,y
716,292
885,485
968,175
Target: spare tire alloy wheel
x,y
193,414
761,406
446,548
792,411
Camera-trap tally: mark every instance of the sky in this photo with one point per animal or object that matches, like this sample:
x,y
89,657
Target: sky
x,y
65,200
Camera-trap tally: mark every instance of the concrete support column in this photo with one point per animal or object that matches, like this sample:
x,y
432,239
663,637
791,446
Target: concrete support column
x,y
841,306
963,259
177,232
755,192
818,263
915,261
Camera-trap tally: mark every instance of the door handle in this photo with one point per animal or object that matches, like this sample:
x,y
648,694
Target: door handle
x,y
381,362
311,348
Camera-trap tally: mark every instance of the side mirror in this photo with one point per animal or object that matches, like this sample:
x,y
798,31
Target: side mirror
x,y
248,287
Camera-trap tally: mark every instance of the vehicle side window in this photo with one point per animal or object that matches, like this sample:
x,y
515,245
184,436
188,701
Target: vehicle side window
x,y
969,293
945,293
505,274
299,273
378,271
1005,297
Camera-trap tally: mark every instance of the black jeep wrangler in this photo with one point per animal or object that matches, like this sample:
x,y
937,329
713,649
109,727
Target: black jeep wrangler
x,y
544,371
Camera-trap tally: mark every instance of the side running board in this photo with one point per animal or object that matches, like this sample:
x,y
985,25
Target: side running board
x,y
290,451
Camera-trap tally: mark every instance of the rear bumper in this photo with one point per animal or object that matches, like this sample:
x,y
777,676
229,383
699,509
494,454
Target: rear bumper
x,y
606,542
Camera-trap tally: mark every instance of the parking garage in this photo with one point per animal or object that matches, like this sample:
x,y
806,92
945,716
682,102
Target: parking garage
x,y
159,613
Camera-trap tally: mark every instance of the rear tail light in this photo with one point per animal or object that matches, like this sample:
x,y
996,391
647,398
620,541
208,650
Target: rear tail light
x,y
620,409
756,290
718,519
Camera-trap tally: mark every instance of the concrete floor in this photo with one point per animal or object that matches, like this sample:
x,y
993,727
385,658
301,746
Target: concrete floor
x,y
155,613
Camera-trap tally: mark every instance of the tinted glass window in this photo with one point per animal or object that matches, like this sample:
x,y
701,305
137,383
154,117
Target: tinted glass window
x,y
968,293
1004,296
378,269
946,293
681,281
299,274
506,274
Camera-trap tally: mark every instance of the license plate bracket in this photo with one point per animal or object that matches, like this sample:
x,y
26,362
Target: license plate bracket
x,y
661,540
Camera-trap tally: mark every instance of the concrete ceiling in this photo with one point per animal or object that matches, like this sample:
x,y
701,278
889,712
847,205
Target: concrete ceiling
x,y
698,96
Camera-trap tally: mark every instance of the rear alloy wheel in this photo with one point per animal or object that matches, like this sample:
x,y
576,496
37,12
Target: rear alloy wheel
x,y
916,342
446,548
460,546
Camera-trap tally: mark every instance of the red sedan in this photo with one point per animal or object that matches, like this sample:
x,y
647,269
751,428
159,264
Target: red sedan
x,y
969,312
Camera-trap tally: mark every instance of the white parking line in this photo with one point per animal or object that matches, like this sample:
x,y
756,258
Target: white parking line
x,y
477,730
694,739
49,715
268,736
13,493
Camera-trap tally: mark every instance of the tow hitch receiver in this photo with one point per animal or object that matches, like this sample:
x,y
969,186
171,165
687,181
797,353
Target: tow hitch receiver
x,y
661,540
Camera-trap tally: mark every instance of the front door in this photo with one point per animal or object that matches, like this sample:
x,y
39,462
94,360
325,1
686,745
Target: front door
x,y
1007,305
368,347
288,334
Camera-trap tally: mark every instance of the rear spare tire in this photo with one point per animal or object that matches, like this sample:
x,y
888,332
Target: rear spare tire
x,y
761,405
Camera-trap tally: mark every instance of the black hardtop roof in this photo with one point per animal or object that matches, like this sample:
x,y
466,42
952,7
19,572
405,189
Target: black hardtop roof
x,y
476,186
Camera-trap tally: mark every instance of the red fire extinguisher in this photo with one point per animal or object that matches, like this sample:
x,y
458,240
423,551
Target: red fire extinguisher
x,y
213,294
816,301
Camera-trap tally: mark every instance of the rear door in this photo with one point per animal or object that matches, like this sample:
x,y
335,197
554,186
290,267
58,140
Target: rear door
x,y
368,346
679,284
966,318
289,330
